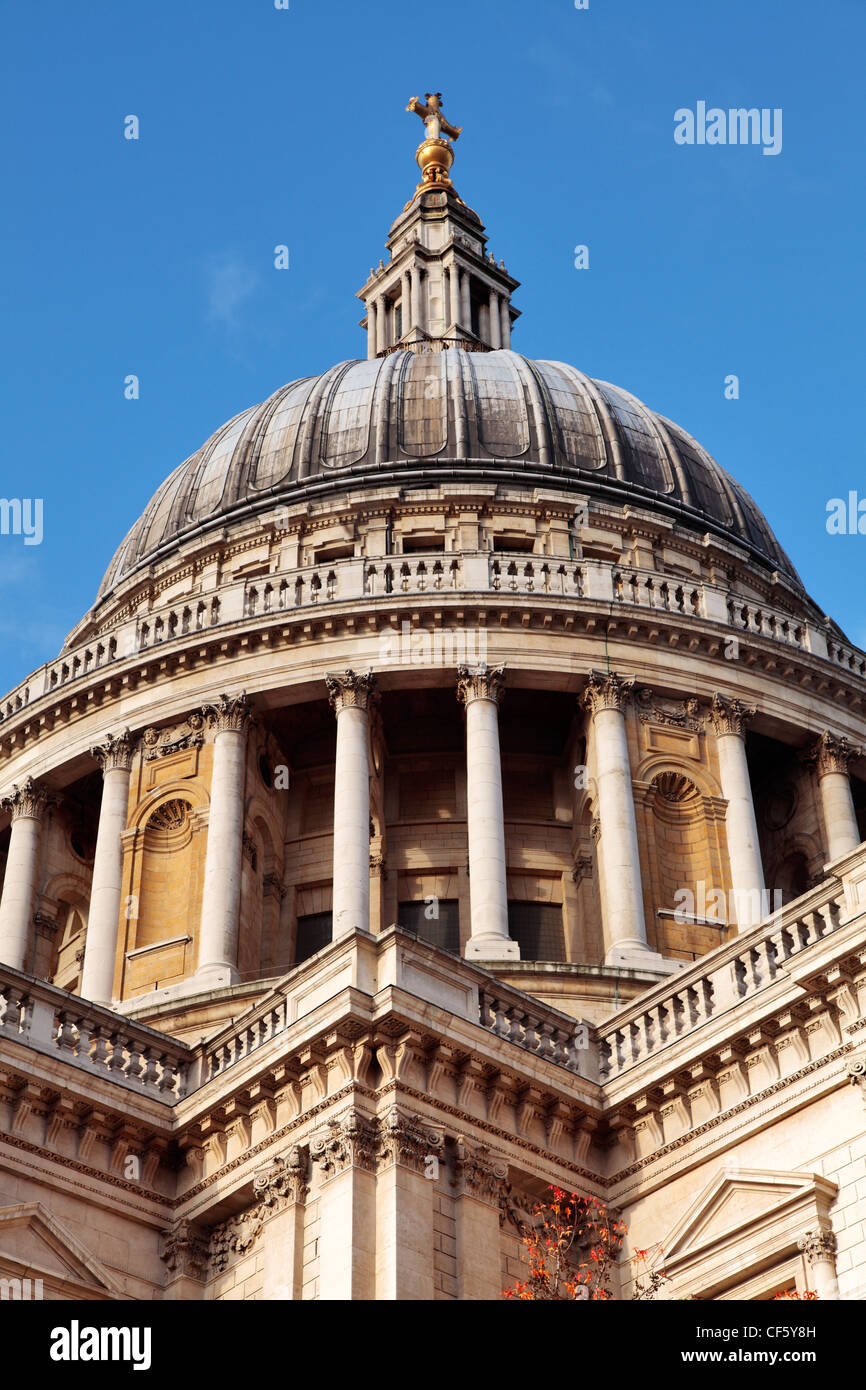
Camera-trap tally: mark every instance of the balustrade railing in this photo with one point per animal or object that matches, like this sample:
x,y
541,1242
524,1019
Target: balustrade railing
x,y
95,1039
734,972
536,1028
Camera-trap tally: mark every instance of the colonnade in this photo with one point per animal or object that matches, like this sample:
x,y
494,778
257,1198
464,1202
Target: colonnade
x,y
480,689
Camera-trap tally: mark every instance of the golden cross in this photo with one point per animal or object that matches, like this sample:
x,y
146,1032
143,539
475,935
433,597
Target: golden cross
x,y
430,112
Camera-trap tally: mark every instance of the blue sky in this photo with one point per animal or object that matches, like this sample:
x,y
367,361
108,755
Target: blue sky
x,y
261,126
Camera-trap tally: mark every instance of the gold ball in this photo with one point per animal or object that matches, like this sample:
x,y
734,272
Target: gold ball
x,y
434,156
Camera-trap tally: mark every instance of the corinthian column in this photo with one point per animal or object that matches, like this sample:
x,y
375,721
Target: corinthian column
x,y
417,314
218,937
481,691
406,301
372,346
619,859
100,947
465,302
729,719
350,694
831,756
27,804
505,333
495,321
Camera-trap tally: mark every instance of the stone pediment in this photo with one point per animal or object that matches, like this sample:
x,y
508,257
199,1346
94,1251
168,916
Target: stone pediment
x,y
744,1219
34,1244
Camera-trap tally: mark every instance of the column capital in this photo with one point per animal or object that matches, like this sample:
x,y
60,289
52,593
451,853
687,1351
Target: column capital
x,y
184,1249
228,712
350,1142
115,752
831,753
817,1246
284,1181
479,1173
730,716
349,690
28,801
481,683
606,690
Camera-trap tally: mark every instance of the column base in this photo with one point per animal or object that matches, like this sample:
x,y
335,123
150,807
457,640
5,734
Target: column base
x,y
491,948
635,956
217,976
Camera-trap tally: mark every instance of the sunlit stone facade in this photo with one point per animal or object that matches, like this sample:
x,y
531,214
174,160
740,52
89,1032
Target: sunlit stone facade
x,y
452,790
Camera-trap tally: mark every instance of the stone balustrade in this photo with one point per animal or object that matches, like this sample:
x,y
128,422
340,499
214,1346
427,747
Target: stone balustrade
x,y
352,579
85,1035
739,970
539,1029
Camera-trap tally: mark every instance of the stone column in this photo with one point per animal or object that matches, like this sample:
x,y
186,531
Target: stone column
x,y
819,1248
454,292
350,696
372,345
184,1250
465,301
831,756
494,319
622,891
282,1188
103,919
345,1154
729,719
27,804
407,302
481,691
505,328
218,938
417,313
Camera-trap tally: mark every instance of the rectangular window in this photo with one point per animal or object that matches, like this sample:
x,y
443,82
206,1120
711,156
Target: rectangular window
x,y
442,931
314,932
537,929
422,545
522,544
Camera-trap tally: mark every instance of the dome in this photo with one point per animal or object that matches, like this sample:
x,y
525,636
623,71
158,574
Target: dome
x,y
415,417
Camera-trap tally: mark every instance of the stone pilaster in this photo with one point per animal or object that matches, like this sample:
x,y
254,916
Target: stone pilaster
x,y
27,804
282,1189
185,1252
819,1250
218,937
480,690
345,1155
100,948
479,1184
350,695
728,718
408,1165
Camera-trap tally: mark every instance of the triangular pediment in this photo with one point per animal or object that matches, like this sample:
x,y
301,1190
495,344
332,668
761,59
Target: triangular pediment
x,y
34,1243
741,1200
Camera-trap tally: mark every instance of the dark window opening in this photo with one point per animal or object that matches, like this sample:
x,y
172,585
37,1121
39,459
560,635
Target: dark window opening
x,y
442,931
537,929
413,545
314,932
342,551
523,544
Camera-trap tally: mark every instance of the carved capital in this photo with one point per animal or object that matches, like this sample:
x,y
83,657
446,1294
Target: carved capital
x,y
184,1250
830,753
229,713
27,801
352,1142
116,752
350,690
606,690
857,1075
405,1140
478,1173
283,1182
817,1246
480,683
730,716
582,867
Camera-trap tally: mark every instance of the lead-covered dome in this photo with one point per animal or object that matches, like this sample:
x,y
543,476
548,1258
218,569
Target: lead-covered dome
x,y
416,417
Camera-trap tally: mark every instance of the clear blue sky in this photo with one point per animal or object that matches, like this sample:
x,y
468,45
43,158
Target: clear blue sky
x,y
261,127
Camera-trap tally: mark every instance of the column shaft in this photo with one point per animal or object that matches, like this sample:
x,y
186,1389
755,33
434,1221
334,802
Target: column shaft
x,y
465,302
505,324
27,804
831,756
481,691
218,938
103,920
744,853
454,292
349,696
372,347
406,301
494,319
417,312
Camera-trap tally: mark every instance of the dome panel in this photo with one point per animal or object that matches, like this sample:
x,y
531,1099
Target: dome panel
x,y
581,436
346,415
650,465
500,405
423,405
276,445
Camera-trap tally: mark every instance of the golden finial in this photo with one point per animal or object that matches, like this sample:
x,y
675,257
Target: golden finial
x,y
434,155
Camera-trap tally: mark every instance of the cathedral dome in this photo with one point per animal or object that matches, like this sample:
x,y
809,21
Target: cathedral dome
x,y
416,417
